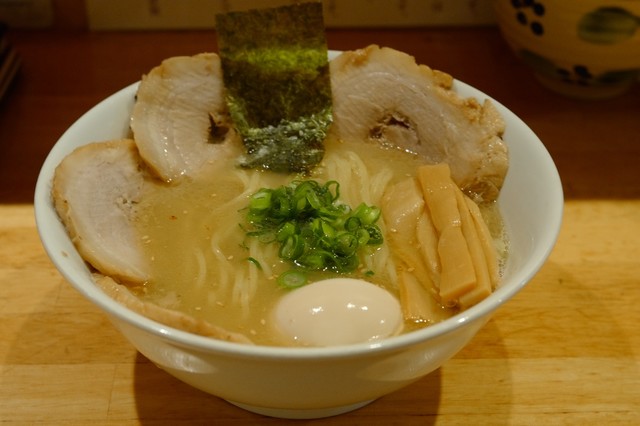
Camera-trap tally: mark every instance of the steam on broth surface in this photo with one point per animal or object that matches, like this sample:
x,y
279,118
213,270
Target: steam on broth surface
x,y
200,254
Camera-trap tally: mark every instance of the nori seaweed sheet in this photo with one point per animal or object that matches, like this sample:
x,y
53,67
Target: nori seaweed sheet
x,y
276,76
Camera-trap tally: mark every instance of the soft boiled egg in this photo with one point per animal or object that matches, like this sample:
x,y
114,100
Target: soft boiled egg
x,y
337,311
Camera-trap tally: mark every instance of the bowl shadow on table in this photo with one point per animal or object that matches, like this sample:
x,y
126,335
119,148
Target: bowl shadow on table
x,y
161,397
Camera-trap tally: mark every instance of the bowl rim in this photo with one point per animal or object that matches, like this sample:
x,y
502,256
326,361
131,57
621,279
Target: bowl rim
x,y
43,209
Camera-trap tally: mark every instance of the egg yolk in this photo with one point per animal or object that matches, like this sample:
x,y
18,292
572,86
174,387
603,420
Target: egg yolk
x,y
337,311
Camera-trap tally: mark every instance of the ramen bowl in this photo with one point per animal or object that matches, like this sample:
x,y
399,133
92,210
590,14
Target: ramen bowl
x,y
586,49
321,381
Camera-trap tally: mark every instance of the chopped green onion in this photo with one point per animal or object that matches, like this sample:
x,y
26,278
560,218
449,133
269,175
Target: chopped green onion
x,y
363,236
316,260
375,235
292,248
286,230
346,244
292,279
313,229
352,224
255,262
261,200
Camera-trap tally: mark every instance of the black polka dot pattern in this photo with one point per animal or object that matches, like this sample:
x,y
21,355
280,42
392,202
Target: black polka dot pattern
x,y
528,12
578,74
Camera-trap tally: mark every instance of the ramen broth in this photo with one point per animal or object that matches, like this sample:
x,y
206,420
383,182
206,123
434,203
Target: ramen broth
x,y
204,265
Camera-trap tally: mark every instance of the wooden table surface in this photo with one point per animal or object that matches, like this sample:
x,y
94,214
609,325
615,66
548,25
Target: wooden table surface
x,y
565,350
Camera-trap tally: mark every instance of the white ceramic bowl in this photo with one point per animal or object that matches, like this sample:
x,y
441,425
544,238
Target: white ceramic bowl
x,y
315,382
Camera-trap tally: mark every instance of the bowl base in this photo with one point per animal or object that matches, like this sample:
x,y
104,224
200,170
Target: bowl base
x,y
284,413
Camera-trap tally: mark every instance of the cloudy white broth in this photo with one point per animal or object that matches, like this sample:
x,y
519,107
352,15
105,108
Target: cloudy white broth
x,y
204,264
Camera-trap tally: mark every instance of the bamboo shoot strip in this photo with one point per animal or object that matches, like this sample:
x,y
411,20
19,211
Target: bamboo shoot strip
x,y
276,76
470,232
458,275
490,251
428,246
402,206
418,305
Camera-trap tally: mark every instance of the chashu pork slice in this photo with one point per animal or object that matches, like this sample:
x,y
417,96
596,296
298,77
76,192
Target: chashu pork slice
x,y
170,317
180,119
382,96
95,192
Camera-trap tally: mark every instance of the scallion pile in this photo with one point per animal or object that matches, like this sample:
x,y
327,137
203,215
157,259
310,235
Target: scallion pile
x,y
313,229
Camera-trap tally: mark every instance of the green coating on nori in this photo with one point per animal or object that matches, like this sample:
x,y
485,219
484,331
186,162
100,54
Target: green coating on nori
x,y
276,76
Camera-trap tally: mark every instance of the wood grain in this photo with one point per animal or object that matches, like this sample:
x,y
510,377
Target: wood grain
x,y
563,351
566,350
